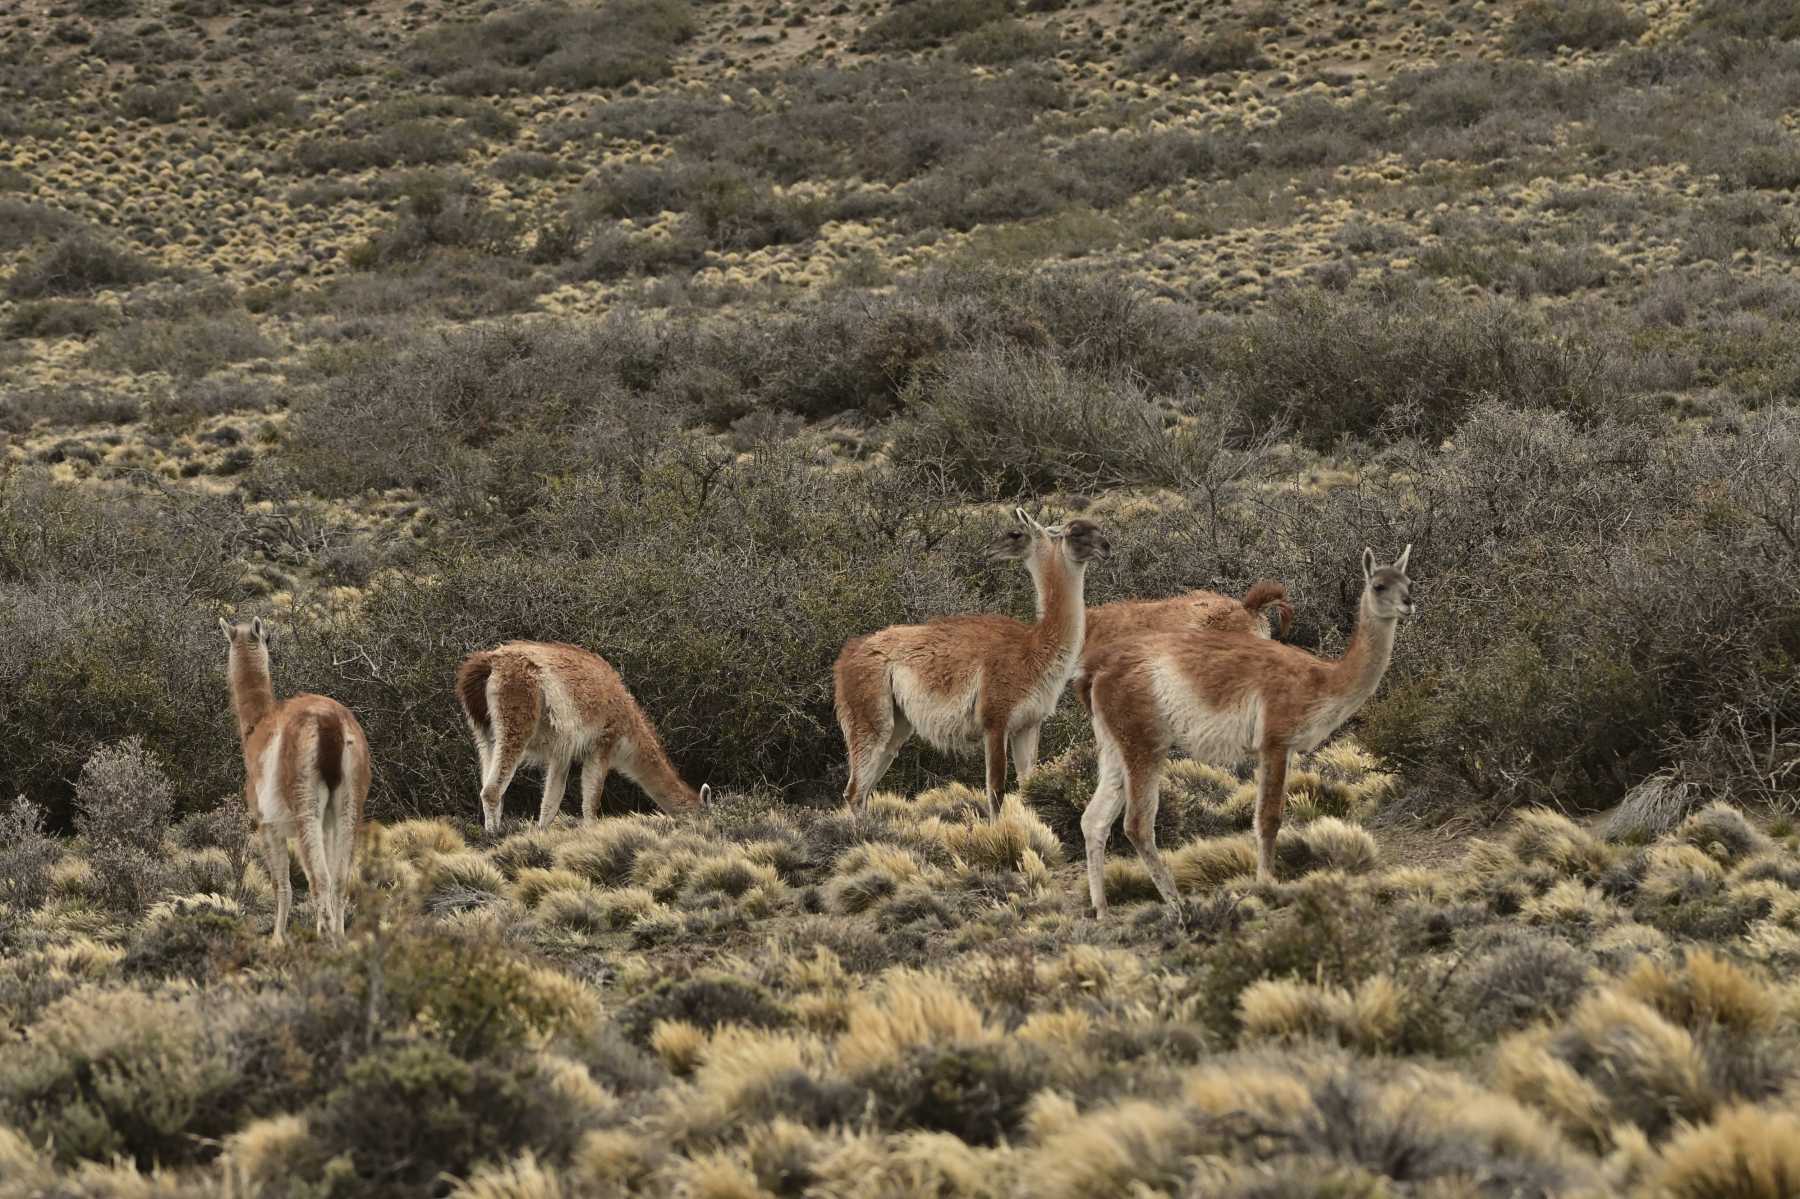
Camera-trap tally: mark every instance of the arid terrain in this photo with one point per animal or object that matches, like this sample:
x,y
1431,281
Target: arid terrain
x,y
711,335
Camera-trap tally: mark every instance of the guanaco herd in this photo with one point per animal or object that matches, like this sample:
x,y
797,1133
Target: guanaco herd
x,y
1201,672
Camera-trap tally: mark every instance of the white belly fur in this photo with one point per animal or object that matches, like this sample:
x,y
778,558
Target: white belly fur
x,y
1222,736
561,734
946,722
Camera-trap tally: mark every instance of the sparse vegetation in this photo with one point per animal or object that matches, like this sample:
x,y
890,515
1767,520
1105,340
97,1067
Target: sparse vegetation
x,y
708,336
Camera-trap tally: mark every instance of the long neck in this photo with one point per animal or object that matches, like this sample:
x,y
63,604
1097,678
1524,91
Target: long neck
x,y
252,694
652,771
1358,673
1061,604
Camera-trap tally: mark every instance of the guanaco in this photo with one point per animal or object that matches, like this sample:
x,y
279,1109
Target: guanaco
x,y
546,703
967,681
306,776
1263,612
1225,697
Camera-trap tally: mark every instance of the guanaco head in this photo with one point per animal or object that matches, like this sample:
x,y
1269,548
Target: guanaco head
x,y
1080,539
1386,590
253,638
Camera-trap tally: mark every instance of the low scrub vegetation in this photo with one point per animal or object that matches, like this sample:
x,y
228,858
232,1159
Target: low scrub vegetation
x,y
555,45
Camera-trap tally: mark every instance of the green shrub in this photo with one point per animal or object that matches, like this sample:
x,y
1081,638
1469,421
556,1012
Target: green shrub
x,y
732,208
977,1093
436,217
1757,19
22,222
554,45
1005,41
78,263
159,103
1331,367
706,1001
192,940
1541,26
103,640
1019,422
407,1116
121,1072
58,318
186,348
473,995
237,106
1232,50
919,23
407,143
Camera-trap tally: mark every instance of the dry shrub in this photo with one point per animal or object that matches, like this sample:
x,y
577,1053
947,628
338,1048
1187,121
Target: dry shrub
x,y
908,1010
1369,1018
26,856
1744,1153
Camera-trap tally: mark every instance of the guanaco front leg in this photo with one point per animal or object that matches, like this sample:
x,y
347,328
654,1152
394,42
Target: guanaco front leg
x,y
996,768
1024,749
1271,787
556,779
593,782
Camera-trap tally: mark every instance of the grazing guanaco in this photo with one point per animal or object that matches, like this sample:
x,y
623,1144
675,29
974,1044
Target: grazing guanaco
x,y
549,704
306,776
967,681
1225,697
1112,624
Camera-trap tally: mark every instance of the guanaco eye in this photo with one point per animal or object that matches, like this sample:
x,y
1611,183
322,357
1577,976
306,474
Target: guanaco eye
x,y
1380,587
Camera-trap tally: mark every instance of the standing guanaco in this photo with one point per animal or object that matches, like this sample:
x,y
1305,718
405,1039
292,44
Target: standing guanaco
x,y
1225,697
967,681
306,776
549,704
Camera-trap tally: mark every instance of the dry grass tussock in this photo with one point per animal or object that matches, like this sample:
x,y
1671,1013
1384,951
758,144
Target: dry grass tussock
x,y
912,999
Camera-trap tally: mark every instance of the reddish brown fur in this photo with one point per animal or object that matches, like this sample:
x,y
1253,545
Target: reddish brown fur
x,y
553,703
1224,696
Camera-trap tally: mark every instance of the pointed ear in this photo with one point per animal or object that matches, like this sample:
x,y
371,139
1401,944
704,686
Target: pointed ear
x,y
1400,563
1025,518
225,627
705,794
1368,563
257,627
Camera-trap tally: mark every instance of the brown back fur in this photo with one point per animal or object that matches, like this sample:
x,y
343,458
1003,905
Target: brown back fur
x,y
1121,621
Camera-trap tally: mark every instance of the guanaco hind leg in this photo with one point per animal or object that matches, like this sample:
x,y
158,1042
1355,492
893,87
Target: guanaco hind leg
x,y
1271,786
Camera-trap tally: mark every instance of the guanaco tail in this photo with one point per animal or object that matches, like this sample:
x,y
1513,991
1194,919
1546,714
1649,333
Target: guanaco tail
x,y
550,704
1224,698
306,776
968,681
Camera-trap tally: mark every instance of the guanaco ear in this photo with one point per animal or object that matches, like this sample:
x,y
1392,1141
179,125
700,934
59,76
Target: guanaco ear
x,y
705,795
225,627
1368,564
1025,518
1400,562
261,630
